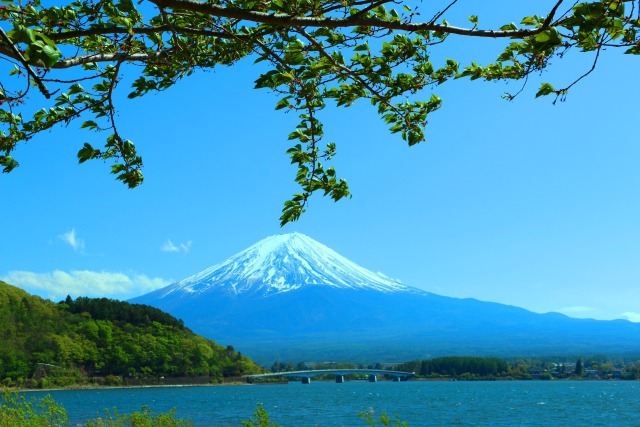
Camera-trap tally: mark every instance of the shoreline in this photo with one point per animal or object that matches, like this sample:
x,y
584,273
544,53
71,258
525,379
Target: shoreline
x,y
119,387
242,383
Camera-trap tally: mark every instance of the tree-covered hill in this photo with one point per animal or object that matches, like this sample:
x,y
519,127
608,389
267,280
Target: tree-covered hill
x,y
88,337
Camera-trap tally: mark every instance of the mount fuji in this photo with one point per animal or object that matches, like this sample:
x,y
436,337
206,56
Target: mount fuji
x,y
283,263
289,297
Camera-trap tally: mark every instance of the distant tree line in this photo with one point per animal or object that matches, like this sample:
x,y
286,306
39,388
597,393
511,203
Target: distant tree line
x,y
457,365
46,344
119,311
474,368
544,368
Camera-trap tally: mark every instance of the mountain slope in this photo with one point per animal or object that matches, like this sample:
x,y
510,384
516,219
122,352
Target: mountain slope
x,y
97,337
291,298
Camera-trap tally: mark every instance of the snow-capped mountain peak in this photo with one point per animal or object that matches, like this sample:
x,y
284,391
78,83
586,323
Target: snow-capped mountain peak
x,y
283,263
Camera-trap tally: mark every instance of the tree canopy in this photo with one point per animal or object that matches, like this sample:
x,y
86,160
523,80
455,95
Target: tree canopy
x,y
101,337
64,63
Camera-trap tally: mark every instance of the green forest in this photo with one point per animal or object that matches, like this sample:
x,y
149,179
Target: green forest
x,y
102,341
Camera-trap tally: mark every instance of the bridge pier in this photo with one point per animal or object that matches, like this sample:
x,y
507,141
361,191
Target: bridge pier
x,y
339,379
306,380
396,379
373,379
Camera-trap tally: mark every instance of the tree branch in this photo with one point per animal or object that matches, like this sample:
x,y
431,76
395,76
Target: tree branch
x,y
442,12
593,67
98,57
149,30
113,57
282,20
547,22
355,3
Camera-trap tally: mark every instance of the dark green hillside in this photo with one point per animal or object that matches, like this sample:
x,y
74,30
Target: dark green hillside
x,y
104,338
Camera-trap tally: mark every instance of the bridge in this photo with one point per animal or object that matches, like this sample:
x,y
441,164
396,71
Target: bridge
x,y
305,376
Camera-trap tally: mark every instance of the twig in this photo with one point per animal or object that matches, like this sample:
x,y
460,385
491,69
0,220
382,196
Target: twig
x,y
442,12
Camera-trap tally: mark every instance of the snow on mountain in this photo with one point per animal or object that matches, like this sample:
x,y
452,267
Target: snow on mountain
x,y
289,297
283,263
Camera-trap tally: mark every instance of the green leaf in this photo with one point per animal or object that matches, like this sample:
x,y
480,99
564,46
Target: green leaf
x,y
89,124
40,48
633,51
9,163
283,103
22,34
126,6
414,137
550,36
128,149
509,27
76,88
364,47
545,89
87,152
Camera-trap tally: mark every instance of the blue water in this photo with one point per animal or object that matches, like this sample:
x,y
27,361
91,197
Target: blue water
x,y
326,404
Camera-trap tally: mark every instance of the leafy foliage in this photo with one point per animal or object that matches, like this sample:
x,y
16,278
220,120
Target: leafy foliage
x,y
71,340
261,419
118,311
314,51
384,420
18,411
143,418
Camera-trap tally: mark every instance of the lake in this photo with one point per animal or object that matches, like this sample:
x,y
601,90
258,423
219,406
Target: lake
x,y
420,403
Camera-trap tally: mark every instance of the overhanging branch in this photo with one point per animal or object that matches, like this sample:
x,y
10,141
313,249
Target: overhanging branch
x,y
112,57
101,57
283,20
147,30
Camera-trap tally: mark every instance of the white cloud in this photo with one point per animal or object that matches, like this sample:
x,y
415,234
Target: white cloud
x,y
72,240
169,246
631,316
59,284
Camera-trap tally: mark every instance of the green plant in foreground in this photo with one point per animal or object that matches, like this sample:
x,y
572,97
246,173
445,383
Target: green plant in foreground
x,y
261,420
384,419
17,411
144,418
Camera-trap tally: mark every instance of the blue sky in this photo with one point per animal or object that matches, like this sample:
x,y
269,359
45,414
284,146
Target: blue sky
x,y
523,203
